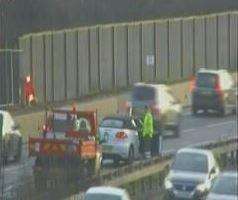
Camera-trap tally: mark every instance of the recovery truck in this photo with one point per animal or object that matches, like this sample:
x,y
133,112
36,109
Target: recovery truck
x,y
67,141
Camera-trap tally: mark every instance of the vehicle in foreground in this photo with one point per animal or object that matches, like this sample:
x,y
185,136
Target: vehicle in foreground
x,y
165,107
213,90
225,187
106,193
11,137
119,138
68,141
191,174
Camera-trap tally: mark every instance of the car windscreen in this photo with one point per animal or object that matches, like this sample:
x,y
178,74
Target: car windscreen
x,y
193,162
112,123
62,122
207,80
102,197
143,93
226,185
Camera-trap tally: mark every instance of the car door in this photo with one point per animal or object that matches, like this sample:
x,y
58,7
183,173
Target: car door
x,y
173,109
134,135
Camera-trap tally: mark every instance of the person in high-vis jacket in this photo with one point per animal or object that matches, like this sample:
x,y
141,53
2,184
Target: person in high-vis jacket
x,y
147,131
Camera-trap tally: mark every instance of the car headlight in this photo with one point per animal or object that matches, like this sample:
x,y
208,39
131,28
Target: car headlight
x,y
168,184
201,187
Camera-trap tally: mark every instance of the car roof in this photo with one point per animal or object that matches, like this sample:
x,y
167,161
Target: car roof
x,y
3,112
211,71
155,86
106,190
195,150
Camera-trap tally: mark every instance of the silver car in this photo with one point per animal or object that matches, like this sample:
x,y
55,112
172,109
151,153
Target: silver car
x,y
225,187
119,138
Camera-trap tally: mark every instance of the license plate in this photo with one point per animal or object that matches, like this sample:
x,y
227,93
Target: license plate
x,y
206,93
107,148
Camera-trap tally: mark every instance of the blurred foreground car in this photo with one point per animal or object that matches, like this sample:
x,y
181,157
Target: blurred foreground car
x,y
119,138
191,175
11,137
213,90
106,193
225,187
165,107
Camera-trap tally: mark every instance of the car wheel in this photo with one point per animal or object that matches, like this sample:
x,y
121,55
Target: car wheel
x,y
176,131
116,161
223,111
19,149
131,155
194,111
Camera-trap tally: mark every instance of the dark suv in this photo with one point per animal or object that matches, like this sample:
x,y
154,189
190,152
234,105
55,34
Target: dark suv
x,y
213,90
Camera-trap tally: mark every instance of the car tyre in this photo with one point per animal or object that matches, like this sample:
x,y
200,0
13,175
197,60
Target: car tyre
x,y
116,161
131,155
19,150
194,111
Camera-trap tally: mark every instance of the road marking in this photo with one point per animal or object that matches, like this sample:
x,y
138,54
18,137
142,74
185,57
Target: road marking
x,y
220,124
189,130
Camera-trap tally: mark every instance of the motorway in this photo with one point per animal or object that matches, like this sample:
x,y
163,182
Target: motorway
x,y
194,129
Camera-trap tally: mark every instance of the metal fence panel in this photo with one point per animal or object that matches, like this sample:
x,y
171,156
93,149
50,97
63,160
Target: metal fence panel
x,y
211,42
134,53
223,60
49,68
175,49
148,51
59,66
162,50
83,62
25,58
71,64
234,40
187,50
199,37
120,56
106,58
38,66
94,59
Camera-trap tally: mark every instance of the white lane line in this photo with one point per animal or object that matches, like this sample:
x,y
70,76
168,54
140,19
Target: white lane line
x,y
219,124
189,130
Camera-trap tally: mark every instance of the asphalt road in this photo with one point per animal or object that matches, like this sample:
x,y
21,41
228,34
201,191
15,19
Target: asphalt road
x,y
193,130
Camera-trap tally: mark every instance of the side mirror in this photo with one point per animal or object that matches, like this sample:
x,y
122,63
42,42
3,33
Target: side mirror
x,y
212,172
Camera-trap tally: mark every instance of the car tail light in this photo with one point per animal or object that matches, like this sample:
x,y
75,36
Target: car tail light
x,y
121,135
218,87
192,84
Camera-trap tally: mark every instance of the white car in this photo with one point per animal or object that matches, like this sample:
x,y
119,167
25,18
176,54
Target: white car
x,y
11,136
191,174
119,138
106,193
225,187
165,106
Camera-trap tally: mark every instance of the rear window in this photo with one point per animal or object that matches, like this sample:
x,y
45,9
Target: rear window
x,y
143,93
206,80
112,123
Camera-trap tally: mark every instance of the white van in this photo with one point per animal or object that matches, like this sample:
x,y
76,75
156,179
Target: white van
x,y
10,137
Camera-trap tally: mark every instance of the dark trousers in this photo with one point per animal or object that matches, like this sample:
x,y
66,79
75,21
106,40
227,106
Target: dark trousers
x,y
146,144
